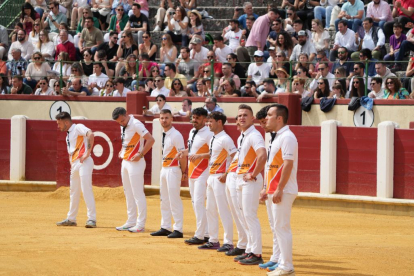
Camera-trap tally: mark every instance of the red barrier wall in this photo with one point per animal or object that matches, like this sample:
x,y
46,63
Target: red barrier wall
x,y
404,163
40,150
110,176
5,149
309,158
356,161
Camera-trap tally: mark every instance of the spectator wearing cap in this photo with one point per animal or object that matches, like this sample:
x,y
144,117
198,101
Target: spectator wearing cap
x,y
198,53
304,46
160,88
248,11
260,31
258,71
220,49
323,73
233,35
121,90
272,54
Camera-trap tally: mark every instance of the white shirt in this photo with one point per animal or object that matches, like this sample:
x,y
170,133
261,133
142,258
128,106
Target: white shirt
x,y
46,48
221,148
259,73
163,91
26,48
100,81
198,144
156,110
177,26
234,39
221,54
49,92
76,141
248,143
283,147
173,142
375,95
346,40
368,42
132,137
199,57
329,76
124,92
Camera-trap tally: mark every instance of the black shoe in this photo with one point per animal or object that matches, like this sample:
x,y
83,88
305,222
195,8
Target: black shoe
x,y
225,248
252,260
396,67
206,239
161,233
175,235
242,256
235,252
194,240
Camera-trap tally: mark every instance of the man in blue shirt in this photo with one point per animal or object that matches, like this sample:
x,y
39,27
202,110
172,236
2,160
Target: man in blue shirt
x,y
248,11
211,105
76,90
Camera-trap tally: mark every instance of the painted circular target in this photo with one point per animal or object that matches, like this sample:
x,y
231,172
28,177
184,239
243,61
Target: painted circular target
x,y
102,150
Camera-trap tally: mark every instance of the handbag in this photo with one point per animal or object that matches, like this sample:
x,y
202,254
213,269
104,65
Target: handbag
x,y
354,104
306,103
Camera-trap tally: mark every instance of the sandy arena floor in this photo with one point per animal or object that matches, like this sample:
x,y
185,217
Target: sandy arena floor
x,y
325,242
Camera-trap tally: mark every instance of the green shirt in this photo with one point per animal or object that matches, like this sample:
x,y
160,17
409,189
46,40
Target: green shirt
x,y
80,25
59,18
25,90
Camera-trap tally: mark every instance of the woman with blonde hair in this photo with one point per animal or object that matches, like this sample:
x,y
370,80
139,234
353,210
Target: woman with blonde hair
x,y
34,34
128,72
45,46
63,63
168,52
36,70
320,37
127,47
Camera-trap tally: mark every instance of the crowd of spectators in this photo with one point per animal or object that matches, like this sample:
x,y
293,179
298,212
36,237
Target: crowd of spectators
x,y
320,48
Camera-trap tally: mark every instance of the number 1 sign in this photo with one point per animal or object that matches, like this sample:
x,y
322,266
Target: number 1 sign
x,y
57,107
363,117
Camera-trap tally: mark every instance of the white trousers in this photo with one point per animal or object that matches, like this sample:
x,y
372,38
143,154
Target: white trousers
x,y
198,188
217,204
248,194
281,214
132,174
269,207
171,204
81,179
235,208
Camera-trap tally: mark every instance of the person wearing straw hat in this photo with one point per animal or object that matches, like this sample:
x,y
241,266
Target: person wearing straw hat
x,y
195,27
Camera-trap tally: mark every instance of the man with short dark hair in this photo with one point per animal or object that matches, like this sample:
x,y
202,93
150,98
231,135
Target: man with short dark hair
x,y
91,37
133,150
233,35
160,88
250,90
281,183
344,38
120,89
172,173
343,61
186,108
269,90
383,72
359,72
18,87
97,80
54,18
138,23
110,47
187,67
277,28
79,141
377,91
170,72
26,47
220,49
323,73
370,37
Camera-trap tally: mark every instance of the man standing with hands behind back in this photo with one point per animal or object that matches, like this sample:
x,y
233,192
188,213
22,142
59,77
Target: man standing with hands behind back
x,y
280,181
133,135
79,141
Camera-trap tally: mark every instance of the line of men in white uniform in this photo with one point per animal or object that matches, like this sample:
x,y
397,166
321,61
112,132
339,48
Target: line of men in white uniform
x,y
229,177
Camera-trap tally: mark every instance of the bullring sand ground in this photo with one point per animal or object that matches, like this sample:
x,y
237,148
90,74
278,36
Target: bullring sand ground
x,y
325,242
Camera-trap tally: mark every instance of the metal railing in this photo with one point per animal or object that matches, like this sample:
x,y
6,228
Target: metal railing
x,y
10,10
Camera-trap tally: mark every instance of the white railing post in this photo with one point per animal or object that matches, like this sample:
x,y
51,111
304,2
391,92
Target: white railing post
x,y
156,152
328,156
18,148
385,159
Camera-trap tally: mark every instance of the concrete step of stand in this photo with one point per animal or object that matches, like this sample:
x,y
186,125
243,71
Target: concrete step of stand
x,y
217,3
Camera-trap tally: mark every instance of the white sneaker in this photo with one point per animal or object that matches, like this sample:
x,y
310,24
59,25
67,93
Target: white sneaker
x,y
124,227
136,229
279,271
157,29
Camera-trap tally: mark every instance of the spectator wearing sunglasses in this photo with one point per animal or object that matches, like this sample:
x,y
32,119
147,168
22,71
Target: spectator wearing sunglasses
x,y
177,89
323,73
44,89
110,46
108,90
377,91
36,70
160,89
148,47
161,103
118,21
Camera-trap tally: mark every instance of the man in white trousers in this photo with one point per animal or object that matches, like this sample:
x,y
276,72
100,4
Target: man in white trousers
x,y
222,151
280,181
231,194
133,136
252,159
198,146
272,263
172,173
79,140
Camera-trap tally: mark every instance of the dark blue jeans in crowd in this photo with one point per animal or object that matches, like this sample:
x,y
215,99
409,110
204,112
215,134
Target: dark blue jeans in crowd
x,y
404,48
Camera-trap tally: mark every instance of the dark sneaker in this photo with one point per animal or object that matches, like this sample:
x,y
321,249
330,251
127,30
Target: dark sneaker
x,y
194,240
210,245
252,260
66,222
235,252
225,248
161,232
242,256
206,239
175,235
